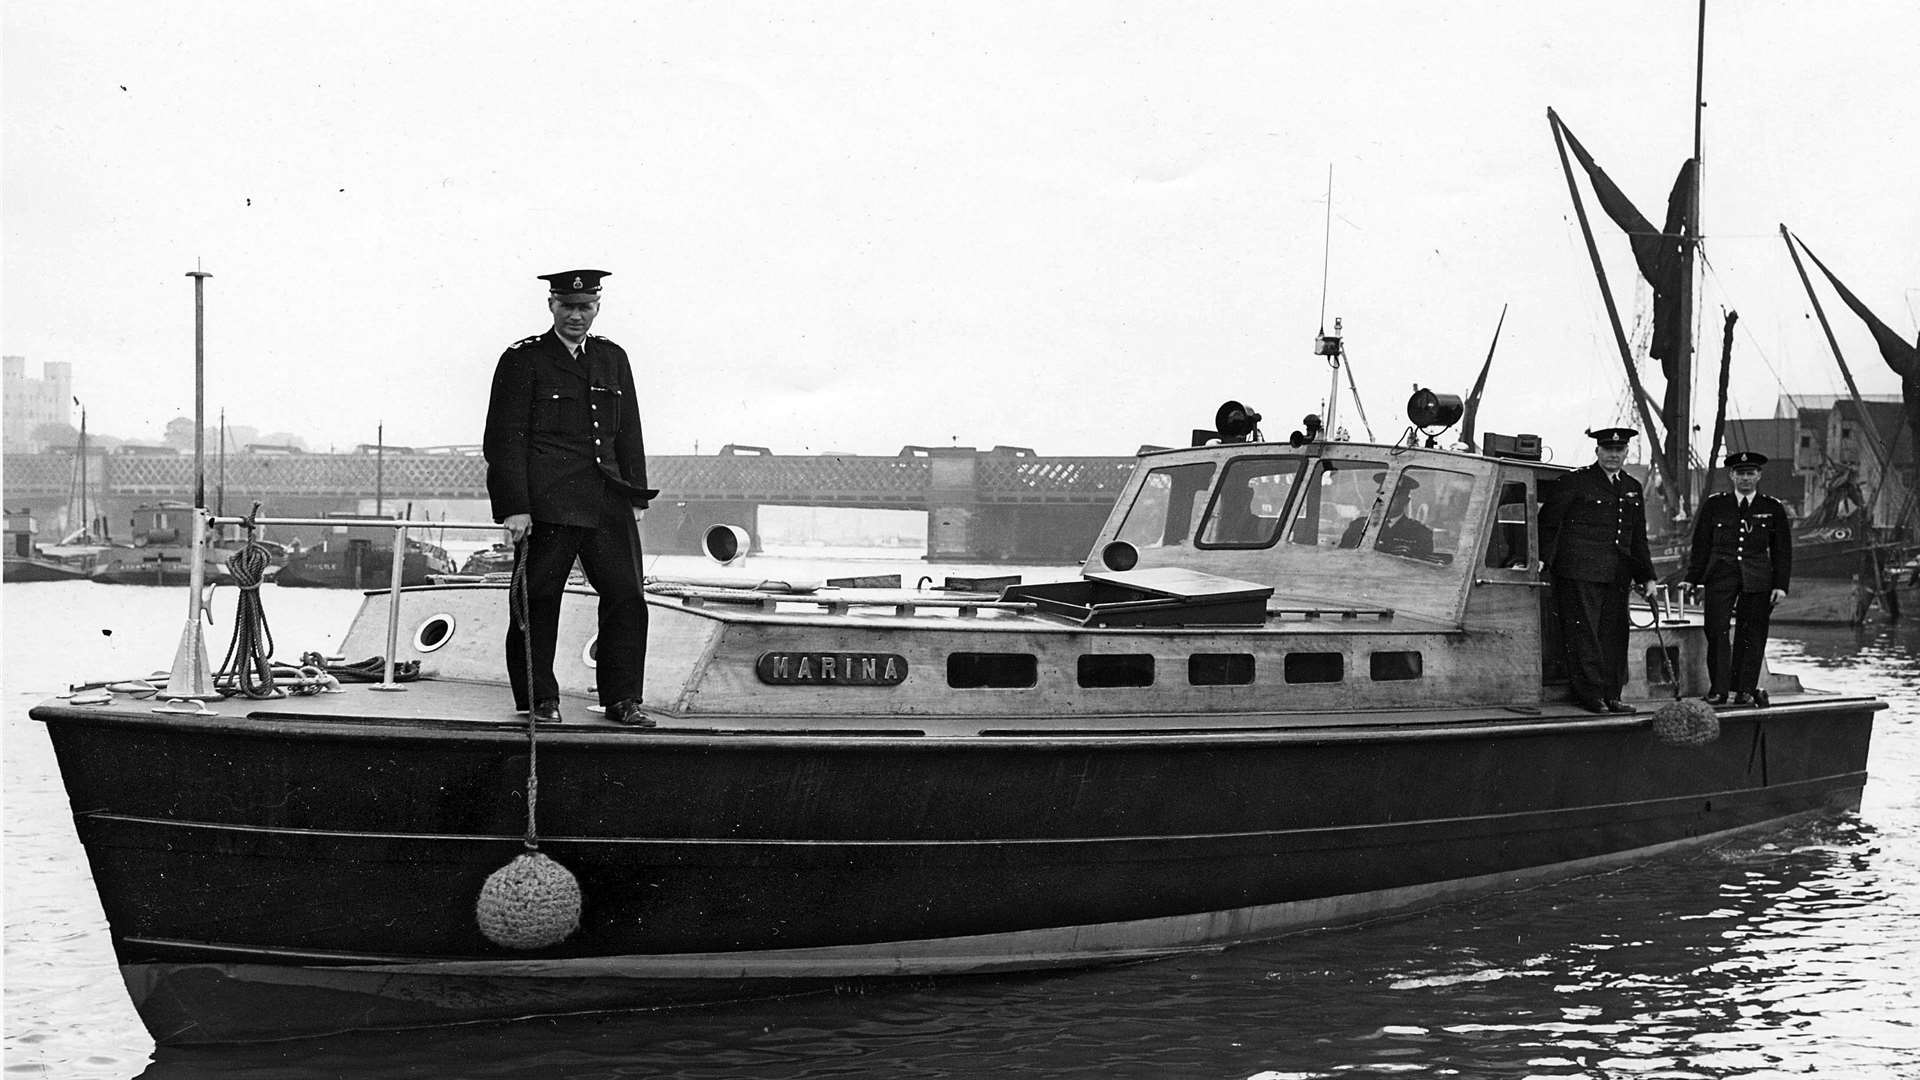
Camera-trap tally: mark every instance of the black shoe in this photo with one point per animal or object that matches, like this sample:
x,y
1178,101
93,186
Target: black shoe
x,y
1762,700
1742,698
1591,705
1615,705
627,711
1715,699
546,712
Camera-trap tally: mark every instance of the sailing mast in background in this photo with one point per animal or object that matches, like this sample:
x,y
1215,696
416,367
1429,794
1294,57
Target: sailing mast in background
x,y
1903,358
1666,258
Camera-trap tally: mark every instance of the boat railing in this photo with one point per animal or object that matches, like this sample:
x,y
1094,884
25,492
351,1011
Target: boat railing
x,y
191,677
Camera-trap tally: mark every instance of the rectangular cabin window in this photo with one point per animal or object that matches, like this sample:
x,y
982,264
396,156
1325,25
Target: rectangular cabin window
x,y
1125,669
1250,502
1306,667
1425,517
1163,510
1507,549
1220,669
1663,665
974,671
1335,503
1394,666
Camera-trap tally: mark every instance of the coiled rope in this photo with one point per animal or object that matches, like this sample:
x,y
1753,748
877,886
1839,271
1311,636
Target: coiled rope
x,y
248,667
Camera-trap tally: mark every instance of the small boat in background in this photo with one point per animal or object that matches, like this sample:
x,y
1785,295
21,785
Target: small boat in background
x,y
160,551
27,561
361,557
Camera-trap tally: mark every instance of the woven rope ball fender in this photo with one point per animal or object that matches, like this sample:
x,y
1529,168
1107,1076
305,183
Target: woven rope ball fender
x,y
530,903
1691,722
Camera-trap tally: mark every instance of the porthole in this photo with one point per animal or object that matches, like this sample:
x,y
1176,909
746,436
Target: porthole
x,y
590,653
436,630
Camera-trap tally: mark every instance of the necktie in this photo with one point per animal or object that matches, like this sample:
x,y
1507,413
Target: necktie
x,y
1744,504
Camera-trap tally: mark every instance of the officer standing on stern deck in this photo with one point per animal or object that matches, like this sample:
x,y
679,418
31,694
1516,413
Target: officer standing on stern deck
x,y
567,474
1593,541
1743,554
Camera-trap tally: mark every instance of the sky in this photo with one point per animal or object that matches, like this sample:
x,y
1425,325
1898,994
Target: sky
x,y
849,227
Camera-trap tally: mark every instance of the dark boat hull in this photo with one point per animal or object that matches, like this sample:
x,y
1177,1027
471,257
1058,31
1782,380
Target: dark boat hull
x,y
340,861
341,570
20,568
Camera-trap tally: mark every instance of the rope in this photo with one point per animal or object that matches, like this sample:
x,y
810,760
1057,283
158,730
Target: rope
x,y
517,597
248,667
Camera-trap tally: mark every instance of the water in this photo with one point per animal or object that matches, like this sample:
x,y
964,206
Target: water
x,y
1788,955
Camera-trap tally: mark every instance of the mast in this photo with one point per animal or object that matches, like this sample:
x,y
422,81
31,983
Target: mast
x,y
1680,434
379,466
1869,428
86,521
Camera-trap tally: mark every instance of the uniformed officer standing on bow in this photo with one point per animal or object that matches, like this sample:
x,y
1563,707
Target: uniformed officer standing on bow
x,y
1743,554
1593,542
567,474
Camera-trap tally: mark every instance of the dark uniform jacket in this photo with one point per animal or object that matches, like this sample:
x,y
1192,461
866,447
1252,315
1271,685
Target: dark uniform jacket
x,y
1592,531
1759,542
560,432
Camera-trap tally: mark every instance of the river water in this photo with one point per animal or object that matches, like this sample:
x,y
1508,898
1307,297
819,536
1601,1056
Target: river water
x,y
1789,955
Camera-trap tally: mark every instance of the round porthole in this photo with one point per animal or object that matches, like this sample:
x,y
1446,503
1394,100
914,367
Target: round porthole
x,y
591,654
434,632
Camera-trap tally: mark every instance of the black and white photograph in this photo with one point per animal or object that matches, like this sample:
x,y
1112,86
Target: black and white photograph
x,y
1232,541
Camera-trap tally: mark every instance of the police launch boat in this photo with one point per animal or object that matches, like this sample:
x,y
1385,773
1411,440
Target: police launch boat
x,y
1296,683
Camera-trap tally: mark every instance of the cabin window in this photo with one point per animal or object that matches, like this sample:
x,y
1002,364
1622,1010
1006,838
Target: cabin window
x,y
1394,666
1308,667
1424,515
1340,494
1663,665
975,671
1126,669
1250,502
1220,669
1163,510
1507,549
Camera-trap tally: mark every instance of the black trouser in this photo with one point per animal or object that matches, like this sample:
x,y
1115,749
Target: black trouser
x,y
1593,628
610,553
1735,669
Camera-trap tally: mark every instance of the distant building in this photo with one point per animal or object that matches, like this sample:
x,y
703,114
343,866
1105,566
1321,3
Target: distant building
x,y
1832,446
31,403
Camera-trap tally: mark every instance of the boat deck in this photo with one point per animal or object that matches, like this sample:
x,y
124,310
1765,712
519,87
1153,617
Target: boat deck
x,y
455,705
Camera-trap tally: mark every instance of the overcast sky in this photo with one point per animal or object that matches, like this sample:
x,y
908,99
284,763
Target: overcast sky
x,y
1072,226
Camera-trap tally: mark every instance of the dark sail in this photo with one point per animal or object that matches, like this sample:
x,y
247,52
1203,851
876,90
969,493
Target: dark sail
x,y
1662,258
1660,254
1903,358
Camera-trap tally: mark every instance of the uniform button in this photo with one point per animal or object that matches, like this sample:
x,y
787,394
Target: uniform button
x,y
596,442
595,405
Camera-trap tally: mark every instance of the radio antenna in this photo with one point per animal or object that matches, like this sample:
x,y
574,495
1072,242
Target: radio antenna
x,y
1326,250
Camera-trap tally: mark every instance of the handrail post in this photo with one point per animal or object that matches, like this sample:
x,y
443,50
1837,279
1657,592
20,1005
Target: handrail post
x,y
393,607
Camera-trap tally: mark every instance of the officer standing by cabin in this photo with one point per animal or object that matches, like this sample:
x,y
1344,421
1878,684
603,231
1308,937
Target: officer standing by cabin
x,y
1742,554
567,476
1593,543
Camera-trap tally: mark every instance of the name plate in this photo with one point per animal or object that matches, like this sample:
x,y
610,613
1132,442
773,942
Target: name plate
x,y
831,669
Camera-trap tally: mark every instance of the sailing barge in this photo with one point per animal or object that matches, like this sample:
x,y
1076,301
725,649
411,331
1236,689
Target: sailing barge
x,y
1246,715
